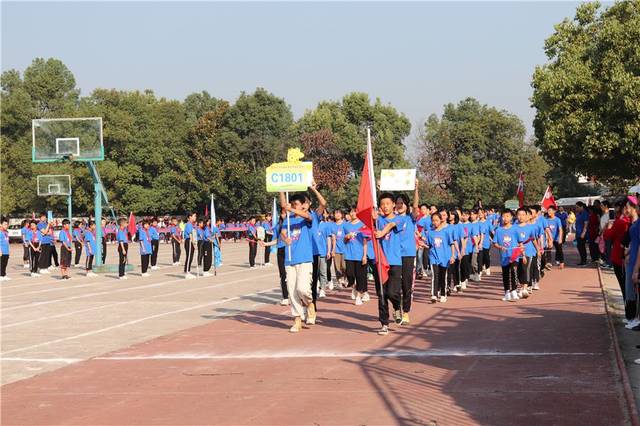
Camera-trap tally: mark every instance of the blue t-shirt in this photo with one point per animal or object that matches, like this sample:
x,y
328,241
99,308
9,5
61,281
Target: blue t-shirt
x,y
541,223
65,238
121,236
200,233
391,242
315,236
581,218
354,248
424,222
456,236
145,241
90,241
634,245
465,233
4,242
563,218
338,231
301,241
207,233
23,233
153,232
554,225
408,236
188,231
526,235
320,233
46,238
508,238
485,229
439,242
77,235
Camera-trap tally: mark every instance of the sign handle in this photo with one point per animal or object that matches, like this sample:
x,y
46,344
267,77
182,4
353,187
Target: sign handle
x,y
288,226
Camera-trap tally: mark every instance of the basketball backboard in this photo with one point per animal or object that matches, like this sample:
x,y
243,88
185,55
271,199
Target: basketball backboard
x,y
57,139
54,185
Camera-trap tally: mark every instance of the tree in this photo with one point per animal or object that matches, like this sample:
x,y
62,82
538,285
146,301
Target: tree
x,y
587,97
476,151
330,169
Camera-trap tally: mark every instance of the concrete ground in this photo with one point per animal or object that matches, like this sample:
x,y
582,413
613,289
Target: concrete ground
x,y
148,351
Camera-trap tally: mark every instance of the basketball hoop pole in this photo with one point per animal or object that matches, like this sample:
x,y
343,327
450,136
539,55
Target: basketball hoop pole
x,y
69,207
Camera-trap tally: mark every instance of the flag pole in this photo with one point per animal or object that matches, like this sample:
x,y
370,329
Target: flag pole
x,y
288,226
213,245
376,243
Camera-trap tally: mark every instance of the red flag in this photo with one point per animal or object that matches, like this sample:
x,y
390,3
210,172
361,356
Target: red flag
x,y
520,190
516,253
364,212
206,211
132,228
547,199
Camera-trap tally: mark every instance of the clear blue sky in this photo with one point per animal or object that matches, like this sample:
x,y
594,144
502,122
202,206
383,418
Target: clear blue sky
x,y
416,56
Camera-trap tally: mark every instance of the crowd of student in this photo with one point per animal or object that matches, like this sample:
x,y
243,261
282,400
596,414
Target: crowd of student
x,y
320,251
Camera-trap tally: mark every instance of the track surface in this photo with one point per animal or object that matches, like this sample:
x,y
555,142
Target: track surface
x,y
475,359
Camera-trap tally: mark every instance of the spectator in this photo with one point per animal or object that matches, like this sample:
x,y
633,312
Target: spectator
x,y
631,240
582,223
594,232
613,234
608,216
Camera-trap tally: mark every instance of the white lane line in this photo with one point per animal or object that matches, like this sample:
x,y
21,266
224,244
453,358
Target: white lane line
x,y
112,291
173,293
136,321
290,354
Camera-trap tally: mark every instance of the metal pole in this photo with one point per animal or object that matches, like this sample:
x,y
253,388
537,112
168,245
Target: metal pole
x,y
98,219
69,208
288,227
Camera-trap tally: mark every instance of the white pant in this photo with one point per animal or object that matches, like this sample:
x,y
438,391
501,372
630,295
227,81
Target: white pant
x,y
299,287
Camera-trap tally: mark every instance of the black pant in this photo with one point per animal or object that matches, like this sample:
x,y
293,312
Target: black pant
x,y
357,274
484,259
189,253
89,261
594,251
509,277
453,274
253,251
407,282
465,267
53,253
559,252
373,267
34,258
200,252
122,259
620,275
267,250
392,290
78,246
207,247
155,245
4,260
524,270
329,262
25,253
104,249
65,257
45,256
314,278
144,260
582,249
535,270
438,280
176,250
283,273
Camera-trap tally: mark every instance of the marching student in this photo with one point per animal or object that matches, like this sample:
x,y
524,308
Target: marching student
x,y
78,242
4,248
423,225
176,240
355,256
207,247
339,263
535,261
453,274
252,238
476,237
466,249
582,225
190,244
527,235
25,244
389,226
91,247
103,223
439,242
145,247
45,245
268,236
297,234
324,249
155,243
407,248
486,229
316,242
506,240
122,239
66,244
200,244
34,236
556,235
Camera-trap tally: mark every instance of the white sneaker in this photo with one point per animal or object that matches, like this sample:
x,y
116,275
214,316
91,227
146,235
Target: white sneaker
x,y
155,268
366,297
76,265
358,301
284,302
5,278
322,294
487,271
507,296
514,296
146,274
634,322
353,294
206,274
443,299
189,276
35,274
51,268
26,266
464,285
536,286
268,264
520,294
525,293
91,274
45,271
331,286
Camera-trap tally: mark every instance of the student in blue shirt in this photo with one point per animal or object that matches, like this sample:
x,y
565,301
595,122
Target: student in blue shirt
x,y
105,234
155,243
122,239
33,236
355,257
280,245
466,249
527,236
45,245
441,247
507,240
338,256
453,274
78,242
25,244
176,240
91,247
556,236
4,248
582,225
190,244
563,216
200,244
407,248
66,244
207,247
268,236
389,227
322,239
145,247
476,247
484,253
252,238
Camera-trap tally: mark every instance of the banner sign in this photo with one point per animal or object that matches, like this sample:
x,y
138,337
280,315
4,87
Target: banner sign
x,y
291,175
398,179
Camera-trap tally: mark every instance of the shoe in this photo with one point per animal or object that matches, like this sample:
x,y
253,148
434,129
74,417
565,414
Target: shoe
x,y
536,286
284,302
26,266
405,319
397,316
331,286
443,299
353,294
463,285
556,263
311,314
561,265
297,325
434,299
383,331
358,301
507,296
525,294
35,274
547,267
458,289
124,277
633,323
189,276
4,278
519,292
514,296
91,274
487,271
206,274
366,297
44,271
146,274
268,264
322,294
581,264
155,268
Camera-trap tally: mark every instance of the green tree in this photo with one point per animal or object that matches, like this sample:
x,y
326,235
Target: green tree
x,y
587,96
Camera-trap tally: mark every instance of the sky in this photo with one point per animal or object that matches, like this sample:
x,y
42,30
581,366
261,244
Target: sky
x,y
415,56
